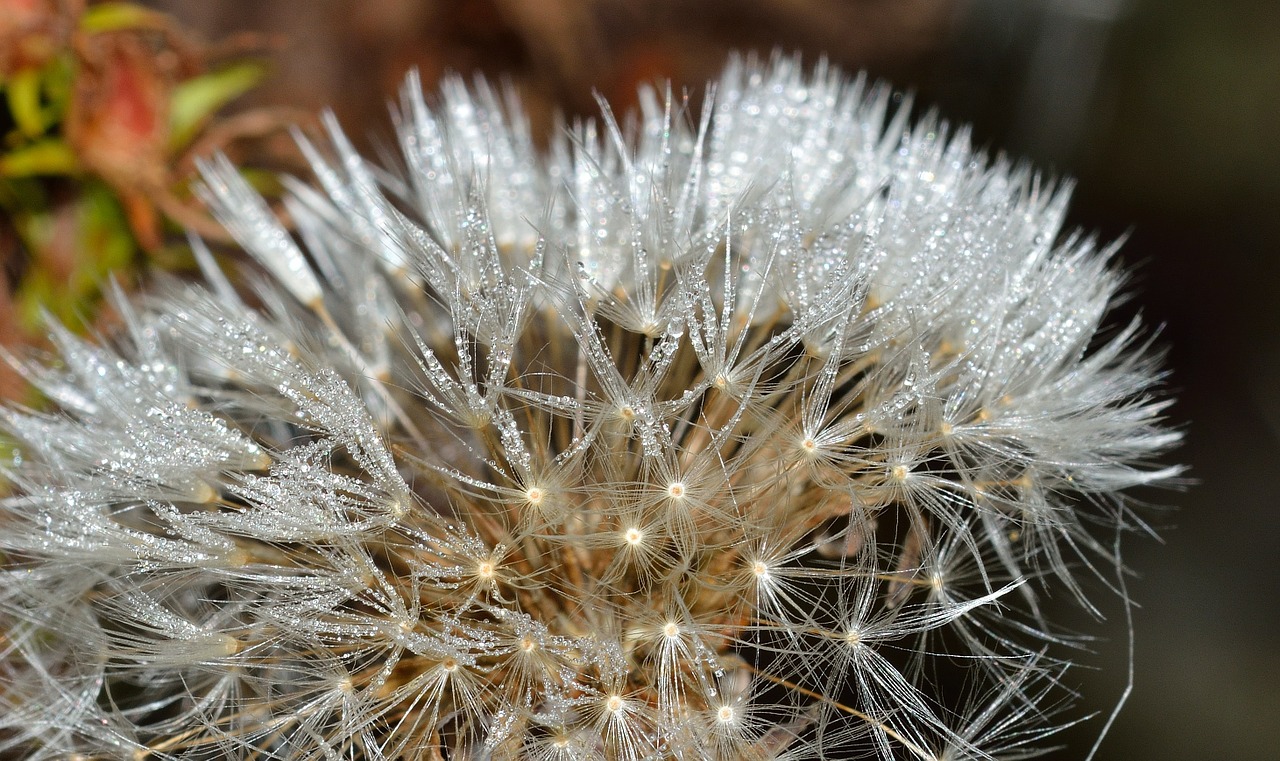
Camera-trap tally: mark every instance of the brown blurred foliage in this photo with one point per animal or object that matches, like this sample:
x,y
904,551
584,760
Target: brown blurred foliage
x,y
105,107
351,56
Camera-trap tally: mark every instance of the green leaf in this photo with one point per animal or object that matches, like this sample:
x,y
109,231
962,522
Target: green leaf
x,y
106,242
49,156
266,182
196,99
109,17
59,78
23,93
34,296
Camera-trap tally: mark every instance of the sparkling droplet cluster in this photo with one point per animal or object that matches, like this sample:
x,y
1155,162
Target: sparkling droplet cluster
x,y
755,431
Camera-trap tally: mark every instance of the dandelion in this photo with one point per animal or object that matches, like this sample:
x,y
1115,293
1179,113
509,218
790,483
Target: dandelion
x,y
705,434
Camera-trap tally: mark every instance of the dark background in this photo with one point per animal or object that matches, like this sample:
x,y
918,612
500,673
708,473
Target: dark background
x,y
1168,114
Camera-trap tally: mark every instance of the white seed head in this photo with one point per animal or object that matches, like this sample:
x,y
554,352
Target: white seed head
x,y
723,345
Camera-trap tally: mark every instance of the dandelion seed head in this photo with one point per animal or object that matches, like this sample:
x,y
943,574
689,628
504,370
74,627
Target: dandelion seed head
x,y
702,434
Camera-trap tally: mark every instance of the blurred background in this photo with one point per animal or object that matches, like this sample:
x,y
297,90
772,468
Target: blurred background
x,y
1167,112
